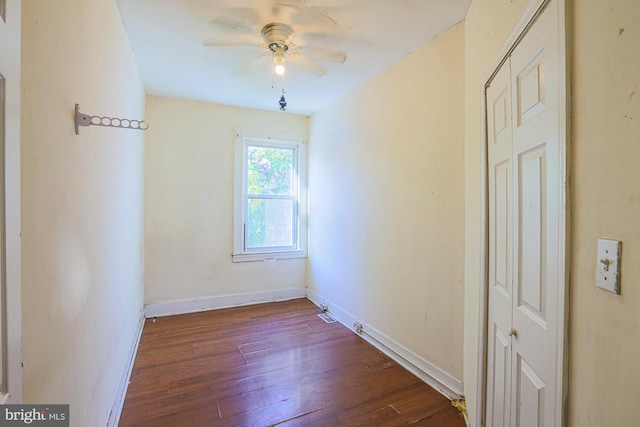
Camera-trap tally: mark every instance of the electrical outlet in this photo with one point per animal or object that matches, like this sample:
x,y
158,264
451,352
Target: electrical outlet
x,y
357,326
608,265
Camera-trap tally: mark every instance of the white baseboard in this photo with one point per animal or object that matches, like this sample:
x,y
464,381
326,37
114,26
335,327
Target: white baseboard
x,y
223,301
121,393
427,372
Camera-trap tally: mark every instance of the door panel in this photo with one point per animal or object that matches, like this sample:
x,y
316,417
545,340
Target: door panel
x,y
525,214
500,149
532,289
530,89
536,214
531,391
502,232
501,379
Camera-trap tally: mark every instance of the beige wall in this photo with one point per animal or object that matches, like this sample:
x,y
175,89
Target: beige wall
x,y
81,207
605,329
189,158
604,334
386,202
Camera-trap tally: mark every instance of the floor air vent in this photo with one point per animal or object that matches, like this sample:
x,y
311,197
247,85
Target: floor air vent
x,y
326,317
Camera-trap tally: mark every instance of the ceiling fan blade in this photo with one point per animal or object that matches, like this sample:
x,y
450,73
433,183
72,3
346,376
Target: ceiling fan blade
x,y
241,19
249,65
317,17
230,26
304,63
323,55
284,11
230,44
322,38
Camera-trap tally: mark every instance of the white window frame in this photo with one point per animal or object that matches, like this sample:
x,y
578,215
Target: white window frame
x,y
245,138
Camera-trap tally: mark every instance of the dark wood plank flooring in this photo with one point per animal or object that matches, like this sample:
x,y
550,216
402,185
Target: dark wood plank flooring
x,y
271,364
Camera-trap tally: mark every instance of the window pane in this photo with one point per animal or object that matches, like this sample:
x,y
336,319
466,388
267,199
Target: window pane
x,y
270,170
269,223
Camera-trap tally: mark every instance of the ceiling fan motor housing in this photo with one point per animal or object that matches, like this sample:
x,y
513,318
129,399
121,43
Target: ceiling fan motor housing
x,y
276,35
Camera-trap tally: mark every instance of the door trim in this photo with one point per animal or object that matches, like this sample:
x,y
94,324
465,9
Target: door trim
x,y
11,206
528,18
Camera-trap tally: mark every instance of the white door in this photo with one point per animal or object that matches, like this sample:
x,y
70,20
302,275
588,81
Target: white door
x,y
10,323
500,153
526,227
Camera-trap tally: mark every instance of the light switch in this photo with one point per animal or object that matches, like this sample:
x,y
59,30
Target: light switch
x,y
608,269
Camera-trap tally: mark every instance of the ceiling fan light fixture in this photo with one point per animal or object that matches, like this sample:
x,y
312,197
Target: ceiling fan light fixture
x,y
278,50
278,57
279,69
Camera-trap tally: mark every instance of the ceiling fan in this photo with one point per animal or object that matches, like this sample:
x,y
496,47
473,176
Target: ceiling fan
x,y
278,38
279,42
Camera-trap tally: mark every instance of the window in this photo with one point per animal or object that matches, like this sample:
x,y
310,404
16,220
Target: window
x,y
270,196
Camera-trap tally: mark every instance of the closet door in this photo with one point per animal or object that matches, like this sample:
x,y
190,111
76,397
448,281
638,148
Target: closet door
x,y
499,333
537,216
525,232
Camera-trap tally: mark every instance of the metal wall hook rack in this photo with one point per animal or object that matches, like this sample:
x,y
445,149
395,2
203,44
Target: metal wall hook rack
x,y
113,122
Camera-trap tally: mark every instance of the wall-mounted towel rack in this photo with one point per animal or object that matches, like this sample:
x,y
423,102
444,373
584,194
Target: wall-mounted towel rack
x,y
113,122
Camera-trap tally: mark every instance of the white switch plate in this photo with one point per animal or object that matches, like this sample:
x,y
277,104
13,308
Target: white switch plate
x,y
608,269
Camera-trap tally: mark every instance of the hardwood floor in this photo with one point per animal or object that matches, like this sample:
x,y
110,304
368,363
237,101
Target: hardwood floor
x,y
271,364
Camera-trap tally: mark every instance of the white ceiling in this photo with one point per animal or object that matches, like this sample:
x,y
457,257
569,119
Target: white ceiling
x,y
170,37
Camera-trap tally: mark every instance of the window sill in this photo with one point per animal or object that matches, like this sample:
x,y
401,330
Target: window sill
x,y
263,256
